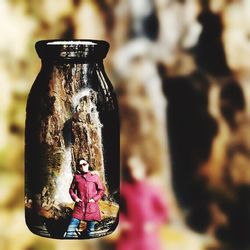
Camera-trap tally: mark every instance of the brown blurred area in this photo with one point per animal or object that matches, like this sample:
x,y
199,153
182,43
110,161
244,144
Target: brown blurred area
x,y
181,72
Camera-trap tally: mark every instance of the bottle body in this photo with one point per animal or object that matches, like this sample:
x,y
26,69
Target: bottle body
x,y
72,115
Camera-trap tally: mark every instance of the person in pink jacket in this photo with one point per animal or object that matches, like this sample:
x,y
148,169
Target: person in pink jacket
x,y
143,209
86,190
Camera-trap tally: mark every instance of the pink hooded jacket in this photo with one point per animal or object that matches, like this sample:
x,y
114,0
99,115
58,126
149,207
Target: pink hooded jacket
x,y
85,187
144,203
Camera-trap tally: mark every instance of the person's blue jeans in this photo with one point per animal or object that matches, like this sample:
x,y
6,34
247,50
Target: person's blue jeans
x,y
90,227
73,225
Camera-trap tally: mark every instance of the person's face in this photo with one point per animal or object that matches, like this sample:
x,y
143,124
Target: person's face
x,y
137,168
84,166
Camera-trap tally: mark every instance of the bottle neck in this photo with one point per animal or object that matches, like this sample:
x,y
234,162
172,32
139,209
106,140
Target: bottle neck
x,y
83,73
61,61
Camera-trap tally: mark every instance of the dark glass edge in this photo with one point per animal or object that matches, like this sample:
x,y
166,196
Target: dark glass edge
x,y
84,50
97,42
33,231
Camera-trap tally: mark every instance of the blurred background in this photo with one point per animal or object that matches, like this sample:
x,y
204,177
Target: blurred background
x,y
181,72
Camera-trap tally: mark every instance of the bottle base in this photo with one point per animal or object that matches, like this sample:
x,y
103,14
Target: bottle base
x,y
54,230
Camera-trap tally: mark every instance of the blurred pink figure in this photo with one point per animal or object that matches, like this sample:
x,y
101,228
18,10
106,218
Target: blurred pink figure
x,y
143,210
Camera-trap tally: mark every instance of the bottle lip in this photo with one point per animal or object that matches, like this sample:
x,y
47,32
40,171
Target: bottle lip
x,y
86,49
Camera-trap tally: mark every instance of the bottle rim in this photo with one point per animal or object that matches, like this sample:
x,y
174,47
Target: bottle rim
x,y
72,49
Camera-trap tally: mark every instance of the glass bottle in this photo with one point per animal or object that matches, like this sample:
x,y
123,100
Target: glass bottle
x,y
71,118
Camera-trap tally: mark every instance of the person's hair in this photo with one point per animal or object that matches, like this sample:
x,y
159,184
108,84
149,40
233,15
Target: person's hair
x,y
126,171
82,159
